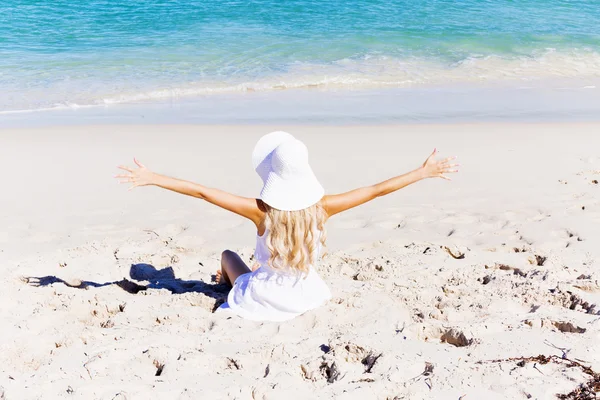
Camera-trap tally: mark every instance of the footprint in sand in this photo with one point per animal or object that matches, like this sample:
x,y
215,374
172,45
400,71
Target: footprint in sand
x,y
453,336
562,326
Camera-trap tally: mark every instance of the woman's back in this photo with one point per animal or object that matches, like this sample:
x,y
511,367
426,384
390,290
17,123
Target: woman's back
x,y
262,254
276,294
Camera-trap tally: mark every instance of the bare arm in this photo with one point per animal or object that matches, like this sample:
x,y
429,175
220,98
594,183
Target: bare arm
x,y
142,176
335,204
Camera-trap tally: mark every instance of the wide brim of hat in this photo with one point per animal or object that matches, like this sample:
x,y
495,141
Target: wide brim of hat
x,y
294,194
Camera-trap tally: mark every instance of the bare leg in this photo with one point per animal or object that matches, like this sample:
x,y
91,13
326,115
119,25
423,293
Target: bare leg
x,y
232,266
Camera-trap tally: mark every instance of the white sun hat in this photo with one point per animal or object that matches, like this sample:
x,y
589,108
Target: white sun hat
x,y
289,183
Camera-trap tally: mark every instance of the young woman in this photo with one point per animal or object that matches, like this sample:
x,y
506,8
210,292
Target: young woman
x,y
290,217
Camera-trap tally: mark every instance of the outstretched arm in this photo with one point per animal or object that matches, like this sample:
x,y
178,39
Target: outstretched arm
x,y
142,176
431,168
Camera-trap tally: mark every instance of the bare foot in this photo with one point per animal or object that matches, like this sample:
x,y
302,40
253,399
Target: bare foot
x,y
219,277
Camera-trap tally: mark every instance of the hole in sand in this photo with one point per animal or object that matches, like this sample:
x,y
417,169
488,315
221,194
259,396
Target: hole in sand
x,y
516,271
574,302
107,324
568,327
540,260
330,372
369,361
456,338
233,364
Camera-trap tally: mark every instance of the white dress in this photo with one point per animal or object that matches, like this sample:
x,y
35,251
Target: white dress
x,y
268,294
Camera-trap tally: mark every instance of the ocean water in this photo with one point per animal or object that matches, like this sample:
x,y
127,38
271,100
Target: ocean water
x,y
58,54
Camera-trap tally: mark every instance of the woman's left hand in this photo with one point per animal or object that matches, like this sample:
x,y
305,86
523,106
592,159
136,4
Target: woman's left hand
x,y
433,168
141,176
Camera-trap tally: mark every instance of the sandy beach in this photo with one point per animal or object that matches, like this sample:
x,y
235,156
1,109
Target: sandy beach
x,y
480,288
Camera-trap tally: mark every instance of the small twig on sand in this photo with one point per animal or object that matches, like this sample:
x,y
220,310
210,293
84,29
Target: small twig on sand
x,y
564,350
457,255
585,391
594,321
426,373
429,383
538,370
89,361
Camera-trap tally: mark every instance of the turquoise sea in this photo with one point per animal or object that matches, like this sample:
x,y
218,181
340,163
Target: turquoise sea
x,y
67,54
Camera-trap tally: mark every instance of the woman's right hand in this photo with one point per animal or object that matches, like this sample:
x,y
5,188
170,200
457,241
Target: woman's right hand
x,y
433,168
140,176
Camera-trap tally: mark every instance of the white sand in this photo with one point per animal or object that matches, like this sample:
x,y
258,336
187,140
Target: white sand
x,y
524,191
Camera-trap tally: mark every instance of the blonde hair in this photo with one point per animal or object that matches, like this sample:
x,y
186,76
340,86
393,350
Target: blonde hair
x,y
294,237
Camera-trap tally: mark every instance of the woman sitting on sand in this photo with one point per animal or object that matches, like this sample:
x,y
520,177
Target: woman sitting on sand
x,y
290,218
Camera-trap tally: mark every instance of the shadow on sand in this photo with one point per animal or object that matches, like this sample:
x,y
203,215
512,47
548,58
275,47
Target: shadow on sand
x,y
157,279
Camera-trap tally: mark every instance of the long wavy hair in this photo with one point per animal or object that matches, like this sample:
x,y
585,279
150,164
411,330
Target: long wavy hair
x,y
294,237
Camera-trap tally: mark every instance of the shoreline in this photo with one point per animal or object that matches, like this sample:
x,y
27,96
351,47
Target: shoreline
x,y
535,102
480,72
